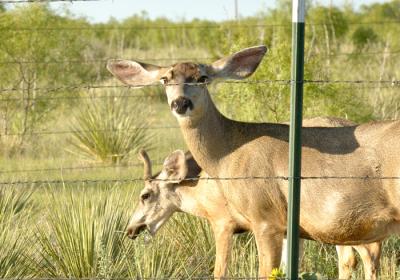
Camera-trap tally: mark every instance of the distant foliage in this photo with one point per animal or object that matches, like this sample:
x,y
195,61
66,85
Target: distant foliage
x,y
363,36
33,60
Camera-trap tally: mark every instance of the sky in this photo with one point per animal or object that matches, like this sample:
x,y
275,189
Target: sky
x,y
218,10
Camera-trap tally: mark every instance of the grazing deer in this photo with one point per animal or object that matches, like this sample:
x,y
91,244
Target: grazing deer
x,y
171,191
337,210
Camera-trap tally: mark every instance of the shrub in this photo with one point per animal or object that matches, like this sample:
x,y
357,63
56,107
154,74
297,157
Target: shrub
x,y
109,131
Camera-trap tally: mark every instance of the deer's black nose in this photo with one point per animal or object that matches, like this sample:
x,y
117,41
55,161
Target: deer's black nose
x,y
130,233
181,104
133,231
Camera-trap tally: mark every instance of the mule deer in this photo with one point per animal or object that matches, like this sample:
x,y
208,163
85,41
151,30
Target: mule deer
x,y
333,210
159,199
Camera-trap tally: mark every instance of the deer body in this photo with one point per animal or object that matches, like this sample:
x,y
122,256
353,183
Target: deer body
x,y
337,211
204,198
325,153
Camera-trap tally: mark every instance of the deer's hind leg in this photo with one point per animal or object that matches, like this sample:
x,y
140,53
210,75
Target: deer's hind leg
x,y
269,246
370,255
347,261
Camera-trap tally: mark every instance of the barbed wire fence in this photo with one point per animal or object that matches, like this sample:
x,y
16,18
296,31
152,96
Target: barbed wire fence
x,y
375,84
8,95
363,84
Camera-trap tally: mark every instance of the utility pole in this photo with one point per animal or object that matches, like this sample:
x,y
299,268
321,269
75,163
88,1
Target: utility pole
x,y
236,10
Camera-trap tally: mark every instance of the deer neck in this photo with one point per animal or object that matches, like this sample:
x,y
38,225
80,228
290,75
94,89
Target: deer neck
x,y
188,202
208,137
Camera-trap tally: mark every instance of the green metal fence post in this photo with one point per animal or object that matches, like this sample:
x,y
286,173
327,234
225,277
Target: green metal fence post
x,y
296,108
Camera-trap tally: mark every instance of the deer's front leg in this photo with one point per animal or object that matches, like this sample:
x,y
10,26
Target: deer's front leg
x,y
269,246
223,234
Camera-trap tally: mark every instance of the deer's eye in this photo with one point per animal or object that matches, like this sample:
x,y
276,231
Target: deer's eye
x,y
164,80
203,79
145,196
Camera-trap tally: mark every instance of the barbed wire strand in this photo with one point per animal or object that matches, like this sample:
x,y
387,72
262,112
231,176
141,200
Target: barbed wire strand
x,y
155,278
89,87
33,99
165,278
182,26
279,81
74,97
149,27
89,130
68,168
104,60
195,179
363,53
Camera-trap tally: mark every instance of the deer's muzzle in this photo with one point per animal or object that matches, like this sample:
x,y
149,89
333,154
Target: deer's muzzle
x,y
181,104
133,232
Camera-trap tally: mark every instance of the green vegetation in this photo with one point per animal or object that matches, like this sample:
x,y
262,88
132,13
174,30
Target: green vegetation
x,y
110,131
49,63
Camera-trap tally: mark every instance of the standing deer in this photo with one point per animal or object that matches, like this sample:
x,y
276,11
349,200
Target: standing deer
x,y
333,210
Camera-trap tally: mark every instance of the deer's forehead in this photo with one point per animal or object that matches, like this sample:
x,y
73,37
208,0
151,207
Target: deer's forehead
x,y
148,186
186,70
162,180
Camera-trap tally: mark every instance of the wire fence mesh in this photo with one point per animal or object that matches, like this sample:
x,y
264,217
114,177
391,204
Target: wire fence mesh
x,y
17,174
377,84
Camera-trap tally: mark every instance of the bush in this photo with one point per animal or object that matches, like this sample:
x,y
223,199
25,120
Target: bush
x,y
110,131
363,36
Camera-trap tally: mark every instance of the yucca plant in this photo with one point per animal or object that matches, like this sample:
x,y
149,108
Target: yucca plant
x,y
110,130
84,238
171,252
84,235
15,232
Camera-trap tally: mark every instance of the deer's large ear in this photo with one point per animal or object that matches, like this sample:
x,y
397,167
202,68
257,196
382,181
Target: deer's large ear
x,y
239,65
175,166
135,73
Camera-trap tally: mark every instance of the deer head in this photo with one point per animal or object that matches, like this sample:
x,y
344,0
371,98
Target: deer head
x,y
186,83
159,200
